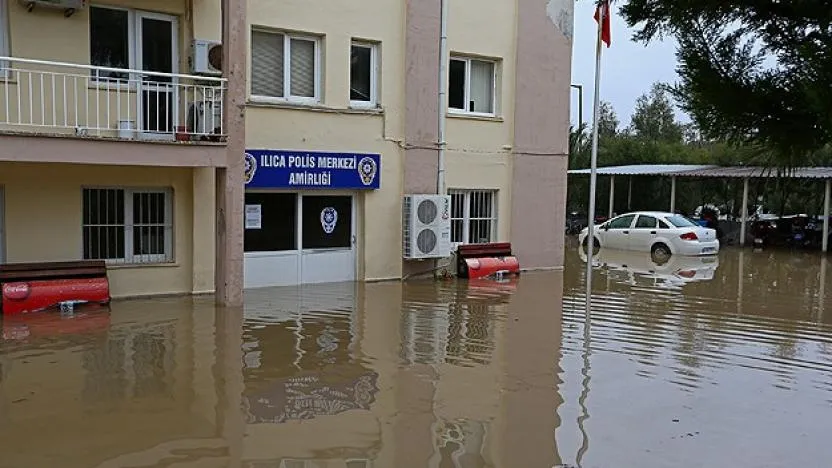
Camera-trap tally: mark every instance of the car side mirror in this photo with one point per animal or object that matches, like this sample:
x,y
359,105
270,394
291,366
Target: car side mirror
x,y
605,227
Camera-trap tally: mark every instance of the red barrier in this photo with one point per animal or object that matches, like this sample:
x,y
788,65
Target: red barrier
x,y
488,266
30,296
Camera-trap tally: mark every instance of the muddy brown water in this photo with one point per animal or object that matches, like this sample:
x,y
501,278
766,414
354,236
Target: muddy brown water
x,y
721,362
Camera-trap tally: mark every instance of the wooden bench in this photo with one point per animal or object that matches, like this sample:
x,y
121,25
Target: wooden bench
x,y
487,252
14,272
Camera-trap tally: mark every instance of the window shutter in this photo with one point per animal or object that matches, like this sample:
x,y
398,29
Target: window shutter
x,y
302,70
482,87
266,64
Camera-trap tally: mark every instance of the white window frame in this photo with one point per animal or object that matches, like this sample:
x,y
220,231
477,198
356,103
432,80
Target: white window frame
x,y
132,40
373,102
5,50
467,92
466,213
129,224
287,69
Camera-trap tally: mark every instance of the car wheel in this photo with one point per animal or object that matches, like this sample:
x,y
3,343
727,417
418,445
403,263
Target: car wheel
x,y
661,251
596,246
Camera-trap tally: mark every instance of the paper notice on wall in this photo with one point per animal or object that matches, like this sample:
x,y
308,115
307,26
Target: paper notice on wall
x,y
254,217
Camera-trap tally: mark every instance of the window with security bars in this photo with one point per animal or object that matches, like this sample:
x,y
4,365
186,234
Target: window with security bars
x,y
473,216
127,225
285,66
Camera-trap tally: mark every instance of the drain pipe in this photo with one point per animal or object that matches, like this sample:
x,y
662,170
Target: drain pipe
x,y
443,92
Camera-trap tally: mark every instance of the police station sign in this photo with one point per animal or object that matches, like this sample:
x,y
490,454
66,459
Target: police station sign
x,y
312,170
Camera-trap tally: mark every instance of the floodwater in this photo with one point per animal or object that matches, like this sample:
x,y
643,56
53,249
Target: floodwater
x,y
723,362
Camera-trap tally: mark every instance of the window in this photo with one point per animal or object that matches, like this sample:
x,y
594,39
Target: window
x,y
471,86
646,222
473,216
680,221
363,72
111,31
623,222
277,227
327,222
663,225
285,66
4,35
127,226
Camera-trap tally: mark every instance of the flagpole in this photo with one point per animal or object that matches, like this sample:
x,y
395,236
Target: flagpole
x,y
593,175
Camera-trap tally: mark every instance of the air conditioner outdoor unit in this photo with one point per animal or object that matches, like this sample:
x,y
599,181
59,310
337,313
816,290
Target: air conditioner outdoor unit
x,y
68,6
426,226
207,57
205,118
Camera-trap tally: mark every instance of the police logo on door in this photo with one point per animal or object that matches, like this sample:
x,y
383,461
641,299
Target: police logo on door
x,y
329,218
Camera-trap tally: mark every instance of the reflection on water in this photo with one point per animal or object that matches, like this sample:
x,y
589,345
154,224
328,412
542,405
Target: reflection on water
x,y
691,362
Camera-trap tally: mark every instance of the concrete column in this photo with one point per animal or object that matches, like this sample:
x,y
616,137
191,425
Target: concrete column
x,y
826,200
744,212
230,187
204,224
673,194
541,132
612,196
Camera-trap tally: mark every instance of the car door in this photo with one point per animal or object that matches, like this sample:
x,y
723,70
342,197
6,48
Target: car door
x,y
643,233
617,232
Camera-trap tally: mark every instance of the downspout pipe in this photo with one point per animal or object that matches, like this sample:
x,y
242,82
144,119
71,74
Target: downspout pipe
x,y
443,93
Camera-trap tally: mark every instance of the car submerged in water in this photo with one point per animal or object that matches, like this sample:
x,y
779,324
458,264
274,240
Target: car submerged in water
x,y
660,233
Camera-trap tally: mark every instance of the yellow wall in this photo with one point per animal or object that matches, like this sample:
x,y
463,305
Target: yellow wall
x,y
478,155
331,126
43,206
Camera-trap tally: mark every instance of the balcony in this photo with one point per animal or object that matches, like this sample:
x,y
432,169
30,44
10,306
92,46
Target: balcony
x,y
81,101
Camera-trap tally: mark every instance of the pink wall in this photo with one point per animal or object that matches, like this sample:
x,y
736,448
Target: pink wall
x,y
541,133
421,95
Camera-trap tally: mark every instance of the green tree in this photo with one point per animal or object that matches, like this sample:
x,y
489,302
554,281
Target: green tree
x,y
654,118
751,71
607,121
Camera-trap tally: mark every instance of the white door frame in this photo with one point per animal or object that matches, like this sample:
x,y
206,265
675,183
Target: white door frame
x,y
172,89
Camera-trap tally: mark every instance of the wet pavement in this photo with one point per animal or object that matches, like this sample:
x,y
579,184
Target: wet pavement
x,y
695,362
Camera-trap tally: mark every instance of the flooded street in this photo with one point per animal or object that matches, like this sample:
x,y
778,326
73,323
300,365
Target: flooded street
x,y
722,362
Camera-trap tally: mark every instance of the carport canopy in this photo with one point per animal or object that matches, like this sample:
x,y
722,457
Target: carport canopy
x,y
719,172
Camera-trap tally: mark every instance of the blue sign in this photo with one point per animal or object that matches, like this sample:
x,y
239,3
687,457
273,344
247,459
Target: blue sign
x,y
312,170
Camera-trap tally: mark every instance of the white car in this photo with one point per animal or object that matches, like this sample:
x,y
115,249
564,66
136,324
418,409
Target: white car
x,y
656,232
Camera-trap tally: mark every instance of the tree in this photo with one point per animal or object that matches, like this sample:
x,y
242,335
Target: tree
x,y
607,121
653,118
751,71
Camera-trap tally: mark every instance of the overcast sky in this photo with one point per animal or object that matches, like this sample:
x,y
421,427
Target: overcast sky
x,y
628,69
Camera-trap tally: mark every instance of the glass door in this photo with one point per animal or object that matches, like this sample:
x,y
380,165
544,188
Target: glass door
x,y
156,51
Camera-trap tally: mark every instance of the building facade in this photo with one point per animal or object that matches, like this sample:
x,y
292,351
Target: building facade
x,y
283,159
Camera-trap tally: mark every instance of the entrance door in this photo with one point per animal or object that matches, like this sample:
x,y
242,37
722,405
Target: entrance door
x,y
327,239
295,239
156,51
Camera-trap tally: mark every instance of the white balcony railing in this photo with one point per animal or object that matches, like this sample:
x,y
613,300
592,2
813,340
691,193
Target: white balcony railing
x,y
38,96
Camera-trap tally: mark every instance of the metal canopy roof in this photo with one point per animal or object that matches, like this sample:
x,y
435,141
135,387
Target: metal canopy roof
x,y
692,170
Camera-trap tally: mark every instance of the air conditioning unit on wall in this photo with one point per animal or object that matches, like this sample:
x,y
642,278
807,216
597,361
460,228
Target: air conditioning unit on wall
x,y
68,6
426,226
207,57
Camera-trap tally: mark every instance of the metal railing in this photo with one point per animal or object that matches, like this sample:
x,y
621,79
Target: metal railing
x,y
39,96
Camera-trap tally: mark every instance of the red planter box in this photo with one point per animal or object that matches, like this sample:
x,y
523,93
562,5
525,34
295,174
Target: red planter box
x,y
31,296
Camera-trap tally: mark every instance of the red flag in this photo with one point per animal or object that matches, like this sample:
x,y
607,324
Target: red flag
x,y
602,11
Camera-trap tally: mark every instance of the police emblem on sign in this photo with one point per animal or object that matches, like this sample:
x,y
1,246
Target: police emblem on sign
x,y
329,218
367,169
250,168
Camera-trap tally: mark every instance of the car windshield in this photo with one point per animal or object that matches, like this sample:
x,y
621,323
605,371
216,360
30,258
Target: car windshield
x,y
680,221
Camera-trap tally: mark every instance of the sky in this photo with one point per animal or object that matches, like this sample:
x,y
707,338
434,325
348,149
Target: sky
x,y
628,69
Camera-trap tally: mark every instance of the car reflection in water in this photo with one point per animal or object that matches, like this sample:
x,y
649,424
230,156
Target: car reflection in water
x,y
644,268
